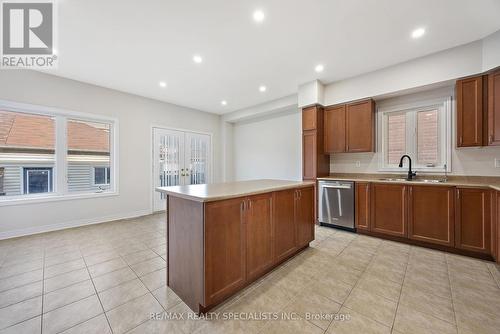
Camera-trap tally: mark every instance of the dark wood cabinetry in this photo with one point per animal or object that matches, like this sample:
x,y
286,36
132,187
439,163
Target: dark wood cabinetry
x,y
473,219
225,236
360,125
314,161
335,129
304,216
362,206
432,214
350,127
470,112
259,234
494,108
284,223
389,209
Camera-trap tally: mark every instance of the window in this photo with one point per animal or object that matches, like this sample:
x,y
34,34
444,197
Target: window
x,y
37,180
50,152
101,176
420,130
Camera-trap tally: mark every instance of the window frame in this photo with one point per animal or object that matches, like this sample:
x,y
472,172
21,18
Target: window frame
x,y
107,172
60,171
444,107
25,178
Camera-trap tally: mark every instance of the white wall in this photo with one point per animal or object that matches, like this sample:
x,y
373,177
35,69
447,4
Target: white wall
x,y
269,148
464,161
491,51
136,116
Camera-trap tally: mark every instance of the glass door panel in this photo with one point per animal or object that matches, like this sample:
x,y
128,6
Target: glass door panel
x,y
197,158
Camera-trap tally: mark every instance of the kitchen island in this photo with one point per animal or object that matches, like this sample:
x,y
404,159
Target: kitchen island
x,y
222,237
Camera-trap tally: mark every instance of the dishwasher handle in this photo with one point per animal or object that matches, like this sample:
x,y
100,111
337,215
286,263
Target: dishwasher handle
x,y
336,186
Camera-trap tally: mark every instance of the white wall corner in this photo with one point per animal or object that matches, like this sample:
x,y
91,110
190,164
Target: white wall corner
x,y
262,110
311,93
491,51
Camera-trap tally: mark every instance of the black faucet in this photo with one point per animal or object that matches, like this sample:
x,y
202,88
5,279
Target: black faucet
x,y
411,174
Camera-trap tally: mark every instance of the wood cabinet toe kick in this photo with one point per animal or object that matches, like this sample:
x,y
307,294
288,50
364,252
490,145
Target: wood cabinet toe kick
x,y
215,249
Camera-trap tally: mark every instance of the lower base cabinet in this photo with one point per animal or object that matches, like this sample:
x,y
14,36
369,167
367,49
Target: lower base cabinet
x,y
473,221
432,214
456,217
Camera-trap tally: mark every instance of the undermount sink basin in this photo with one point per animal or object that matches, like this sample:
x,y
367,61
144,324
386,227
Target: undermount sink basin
x,y
415,180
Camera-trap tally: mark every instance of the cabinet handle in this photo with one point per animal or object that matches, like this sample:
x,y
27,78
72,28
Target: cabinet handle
x,y
242,206
249,205
460,140
491,139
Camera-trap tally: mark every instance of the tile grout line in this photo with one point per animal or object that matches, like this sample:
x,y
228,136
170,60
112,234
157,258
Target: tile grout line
x,y
97,294
401,291
451,291
43,291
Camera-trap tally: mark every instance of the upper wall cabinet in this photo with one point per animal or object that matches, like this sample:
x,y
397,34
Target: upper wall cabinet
x,y
470,113
494,108
350,127
314,161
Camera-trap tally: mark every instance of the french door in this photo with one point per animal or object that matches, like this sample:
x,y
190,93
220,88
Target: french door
x,y
179,158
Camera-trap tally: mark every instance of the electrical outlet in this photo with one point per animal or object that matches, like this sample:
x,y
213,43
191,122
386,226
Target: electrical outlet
x,y
358,164
497,163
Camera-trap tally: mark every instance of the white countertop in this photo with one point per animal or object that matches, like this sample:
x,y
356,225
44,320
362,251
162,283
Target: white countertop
x,y
219,191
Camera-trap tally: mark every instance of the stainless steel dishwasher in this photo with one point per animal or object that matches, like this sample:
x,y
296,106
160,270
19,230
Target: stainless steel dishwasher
x,y
336,204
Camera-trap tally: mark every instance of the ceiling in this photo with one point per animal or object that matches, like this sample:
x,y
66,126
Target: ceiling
x,y
132,45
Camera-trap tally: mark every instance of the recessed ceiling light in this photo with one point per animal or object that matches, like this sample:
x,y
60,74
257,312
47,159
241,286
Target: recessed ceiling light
x,y
223,102
197,59
258,16
319,68
417,33
262,89
162,84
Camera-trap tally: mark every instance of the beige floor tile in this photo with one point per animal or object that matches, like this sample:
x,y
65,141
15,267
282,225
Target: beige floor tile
x,y
157,326
122,293
94,259
431,304
291,326
334,289
344,273
20,294
20,280
411,321
70,315
140,256
98,325
64,280
67,295
437,287
166,297
31,326
380,286
148,266
106,267
16,269
133,313
350,322
155,279
113,279
63,268
309,305
62,258
478,322
19,312
373,306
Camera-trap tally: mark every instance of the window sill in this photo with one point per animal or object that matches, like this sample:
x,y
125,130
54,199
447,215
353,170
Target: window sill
x,y
404,170
53,198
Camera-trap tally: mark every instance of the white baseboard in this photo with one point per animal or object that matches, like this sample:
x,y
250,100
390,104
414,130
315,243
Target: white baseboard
x,y
70,224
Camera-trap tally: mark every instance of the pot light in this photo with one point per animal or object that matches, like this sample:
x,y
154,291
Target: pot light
x,y
258,16
162,84
223,102
319,68
262,89
417,33
197,59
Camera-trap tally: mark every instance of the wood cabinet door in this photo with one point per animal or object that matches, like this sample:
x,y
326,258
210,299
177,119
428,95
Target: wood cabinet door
x,y
309,155
259,234
284,224
494,108
309,118
335,127
360,123
224,248
362,206
304,216
473,229
470,112
389,209
432,214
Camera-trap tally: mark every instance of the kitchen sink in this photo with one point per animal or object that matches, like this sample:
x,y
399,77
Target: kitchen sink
x,y
415,180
